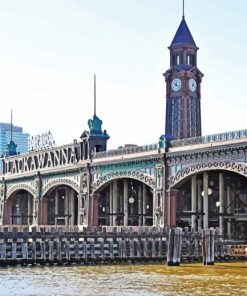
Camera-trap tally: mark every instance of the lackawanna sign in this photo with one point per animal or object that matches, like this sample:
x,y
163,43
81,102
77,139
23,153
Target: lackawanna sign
x,y
41,160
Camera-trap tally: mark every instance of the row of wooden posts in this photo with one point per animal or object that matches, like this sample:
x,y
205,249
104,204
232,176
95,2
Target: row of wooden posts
x,y
42,245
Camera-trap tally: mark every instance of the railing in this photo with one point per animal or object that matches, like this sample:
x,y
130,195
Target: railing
x,y
126,150
240,134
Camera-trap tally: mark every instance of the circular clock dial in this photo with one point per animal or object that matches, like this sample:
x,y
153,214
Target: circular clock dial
x,y
176,84
192,84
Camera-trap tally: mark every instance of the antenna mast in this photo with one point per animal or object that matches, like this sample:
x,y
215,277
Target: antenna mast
x,y
183,9
94,94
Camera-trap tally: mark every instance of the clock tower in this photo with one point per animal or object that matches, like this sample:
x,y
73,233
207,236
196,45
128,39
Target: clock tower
x,y
183,87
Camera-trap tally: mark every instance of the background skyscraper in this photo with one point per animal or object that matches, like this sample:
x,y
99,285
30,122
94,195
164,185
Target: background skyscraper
x,y
20,138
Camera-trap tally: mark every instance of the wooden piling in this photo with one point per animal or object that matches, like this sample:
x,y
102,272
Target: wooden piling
x,y
42,245
208,246
174,246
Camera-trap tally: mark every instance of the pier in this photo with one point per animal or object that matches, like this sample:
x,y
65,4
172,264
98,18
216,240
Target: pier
x,y
50,245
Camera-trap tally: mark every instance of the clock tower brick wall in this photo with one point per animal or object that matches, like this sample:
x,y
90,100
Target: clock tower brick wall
x,y
183,87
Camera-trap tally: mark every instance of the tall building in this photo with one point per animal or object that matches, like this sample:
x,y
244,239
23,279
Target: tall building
x,y
18,137
183,87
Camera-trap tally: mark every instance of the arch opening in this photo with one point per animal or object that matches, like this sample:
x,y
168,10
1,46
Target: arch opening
x,y
215,198
124,202
19,208
59,206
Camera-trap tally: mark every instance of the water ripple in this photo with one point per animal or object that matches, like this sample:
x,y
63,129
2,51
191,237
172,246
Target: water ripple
x,y
111,280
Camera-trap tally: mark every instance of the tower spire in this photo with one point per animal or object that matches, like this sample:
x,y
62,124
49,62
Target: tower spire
x,y
11,147
11,125
94,94
183,9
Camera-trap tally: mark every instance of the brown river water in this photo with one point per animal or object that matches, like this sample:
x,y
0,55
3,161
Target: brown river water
x,y
157,279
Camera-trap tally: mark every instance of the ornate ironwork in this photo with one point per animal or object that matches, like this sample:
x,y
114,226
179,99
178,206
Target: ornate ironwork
x,y
60,181
240,168
21,186
144,178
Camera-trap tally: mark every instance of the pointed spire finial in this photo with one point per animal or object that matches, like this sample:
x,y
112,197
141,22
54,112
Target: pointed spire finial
x,y
94,94
183,9
11,147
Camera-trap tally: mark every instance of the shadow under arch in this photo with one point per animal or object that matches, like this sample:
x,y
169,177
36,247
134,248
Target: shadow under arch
x,y
59,204
224,205
19,206
123,201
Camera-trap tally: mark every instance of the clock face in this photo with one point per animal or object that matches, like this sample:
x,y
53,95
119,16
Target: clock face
x,y
176,84
192,84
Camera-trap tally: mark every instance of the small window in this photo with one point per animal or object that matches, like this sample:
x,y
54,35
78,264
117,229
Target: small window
x,y
189,59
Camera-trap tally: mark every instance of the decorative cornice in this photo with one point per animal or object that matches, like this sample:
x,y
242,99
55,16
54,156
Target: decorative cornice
x,y
108,167
210,154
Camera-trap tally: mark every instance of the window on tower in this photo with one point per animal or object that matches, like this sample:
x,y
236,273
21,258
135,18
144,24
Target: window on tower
x,y
189,59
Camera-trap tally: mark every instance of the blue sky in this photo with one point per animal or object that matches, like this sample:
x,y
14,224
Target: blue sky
x,y
50,49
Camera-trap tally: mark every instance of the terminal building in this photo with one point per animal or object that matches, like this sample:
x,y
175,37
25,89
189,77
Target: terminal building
x,y
186,179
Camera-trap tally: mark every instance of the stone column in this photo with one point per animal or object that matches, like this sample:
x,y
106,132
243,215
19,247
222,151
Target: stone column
x,y
115,202
29,208
228,202
173,207
80,216
43,211
184,57
193,201
66,206
91,209
83,151
7,212
111,203
221,208
199,205
95,205
144,204
155,207
72,207
35,210
140,205
56,206
205,200
1,210
125,184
